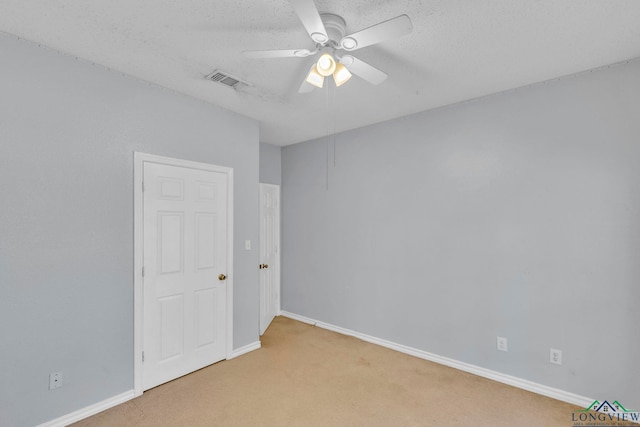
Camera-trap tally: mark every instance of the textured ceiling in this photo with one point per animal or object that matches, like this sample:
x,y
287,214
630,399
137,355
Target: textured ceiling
x,y
459,50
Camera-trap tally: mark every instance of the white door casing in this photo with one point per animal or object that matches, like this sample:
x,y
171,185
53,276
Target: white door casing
x,y
269,254
183,314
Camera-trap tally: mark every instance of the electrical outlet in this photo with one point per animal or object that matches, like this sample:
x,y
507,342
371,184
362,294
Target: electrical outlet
x,y
555,356
55,380
502,344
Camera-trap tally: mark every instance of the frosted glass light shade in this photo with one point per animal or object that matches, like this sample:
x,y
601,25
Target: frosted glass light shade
x,y
341,75
326,65
315,78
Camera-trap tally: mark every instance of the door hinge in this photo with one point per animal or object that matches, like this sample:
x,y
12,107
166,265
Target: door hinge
x,y
143,186
143,356
143,271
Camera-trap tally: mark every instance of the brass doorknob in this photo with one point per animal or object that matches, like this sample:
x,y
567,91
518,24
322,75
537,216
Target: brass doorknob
x,y
265,266
222,277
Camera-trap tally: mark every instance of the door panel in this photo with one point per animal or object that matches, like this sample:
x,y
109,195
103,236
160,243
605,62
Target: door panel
x,y
170,244
171,326
185,249
205,299
205,241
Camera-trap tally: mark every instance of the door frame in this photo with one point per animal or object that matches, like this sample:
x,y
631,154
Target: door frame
x,y
138,250
278,276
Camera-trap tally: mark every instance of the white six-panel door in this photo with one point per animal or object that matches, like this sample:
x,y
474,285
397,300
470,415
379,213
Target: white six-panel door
x,y
269,254
185,249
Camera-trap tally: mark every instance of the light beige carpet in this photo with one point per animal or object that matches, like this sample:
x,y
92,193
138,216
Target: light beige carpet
x,y
307,376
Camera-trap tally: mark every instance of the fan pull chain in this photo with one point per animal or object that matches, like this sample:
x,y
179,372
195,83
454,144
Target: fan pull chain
x,y
331,131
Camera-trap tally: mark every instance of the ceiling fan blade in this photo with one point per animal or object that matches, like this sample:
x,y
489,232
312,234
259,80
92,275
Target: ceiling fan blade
x,y
310,17
363,70
393,28
284,53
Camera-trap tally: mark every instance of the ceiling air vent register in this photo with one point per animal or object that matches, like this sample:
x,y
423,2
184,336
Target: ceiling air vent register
x,y
226,79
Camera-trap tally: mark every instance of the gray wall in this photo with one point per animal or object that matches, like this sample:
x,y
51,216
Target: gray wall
x,y
270,164
68,130
515,215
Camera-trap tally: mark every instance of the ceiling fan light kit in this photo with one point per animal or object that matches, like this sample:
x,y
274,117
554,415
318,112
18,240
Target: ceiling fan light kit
x,y
325,67
327,31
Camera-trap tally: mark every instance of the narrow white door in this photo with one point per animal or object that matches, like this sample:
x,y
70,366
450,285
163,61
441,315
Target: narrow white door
x,y
269,254
185,250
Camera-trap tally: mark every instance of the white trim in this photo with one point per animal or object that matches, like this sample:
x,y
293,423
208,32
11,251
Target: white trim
x,y
138,244
245,349
279,259
300,318
90,410
230,279
531,386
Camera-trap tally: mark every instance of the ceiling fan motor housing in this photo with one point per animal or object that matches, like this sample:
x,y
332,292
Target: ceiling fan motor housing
x,y
335,26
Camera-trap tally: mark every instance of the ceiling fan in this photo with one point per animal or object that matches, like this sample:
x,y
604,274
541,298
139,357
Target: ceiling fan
x,y
327,31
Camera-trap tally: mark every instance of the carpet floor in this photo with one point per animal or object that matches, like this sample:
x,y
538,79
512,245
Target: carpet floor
x,y
308,376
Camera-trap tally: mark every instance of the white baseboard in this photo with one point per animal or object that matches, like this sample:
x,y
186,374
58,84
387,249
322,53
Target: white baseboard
x,y
531,386
245,349
86,412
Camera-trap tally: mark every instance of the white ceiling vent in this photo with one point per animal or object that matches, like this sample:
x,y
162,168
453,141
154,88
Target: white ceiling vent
x,y
226,79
